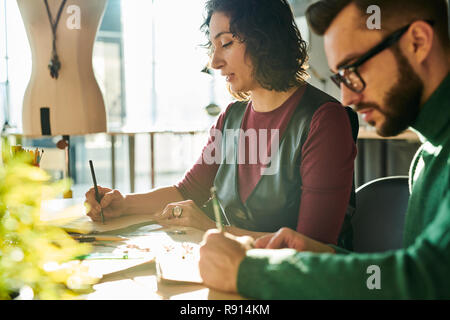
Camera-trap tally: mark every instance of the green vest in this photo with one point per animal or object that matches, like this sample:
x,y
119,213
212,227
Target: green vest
x,y
275,201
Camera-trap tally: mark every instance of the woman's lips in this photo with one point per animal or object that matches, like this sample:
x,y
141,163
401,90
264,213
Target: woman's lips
x,y
230,77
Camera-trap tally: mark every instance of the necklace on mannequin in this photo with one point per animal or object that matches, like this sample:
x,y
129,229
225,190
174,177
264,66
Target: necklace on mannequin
x,y
54,65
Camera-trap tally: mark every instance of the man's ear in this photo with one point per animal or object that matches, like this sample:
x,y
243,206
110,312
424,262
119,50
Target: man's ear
x,y
421,36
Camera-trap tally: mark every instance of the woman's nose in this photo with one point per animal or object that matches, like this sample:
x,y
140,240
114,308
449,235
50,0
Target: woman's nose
x,y
217,61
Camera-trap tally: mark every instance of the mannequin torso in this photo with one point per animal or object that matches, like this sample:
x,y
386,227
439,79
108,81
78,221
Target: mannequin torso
x,y
74,101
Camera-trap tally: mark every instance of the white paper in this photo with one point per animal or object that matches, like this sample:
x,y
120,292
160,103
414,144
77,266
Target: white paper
x,y
70,214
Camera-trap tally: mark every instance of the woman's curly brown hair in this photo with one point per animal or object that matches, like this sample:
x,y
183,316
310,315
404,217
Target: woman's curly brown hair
x,y
273,41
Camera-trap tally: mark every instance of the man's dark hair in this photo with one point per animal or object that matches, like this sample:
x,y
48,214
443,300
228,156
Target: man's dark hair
x,y
273,41
394,14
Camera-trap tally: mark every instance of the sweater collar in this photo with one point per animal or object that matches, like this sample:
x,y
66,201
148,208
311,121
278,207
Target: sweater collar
x,y
434,115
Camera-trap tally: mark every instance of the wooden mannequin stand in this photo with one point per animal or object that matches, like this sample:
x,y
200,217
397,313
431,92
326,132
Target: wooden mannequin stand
x,y
64,144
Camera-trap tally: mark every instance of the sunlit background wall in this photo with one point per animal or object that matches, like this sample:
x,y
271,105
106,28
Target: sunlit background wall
x,y
147,60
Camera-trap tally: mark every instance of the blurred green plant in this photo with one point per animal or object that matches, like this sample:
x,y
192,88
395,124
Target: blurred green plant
x,y
36,260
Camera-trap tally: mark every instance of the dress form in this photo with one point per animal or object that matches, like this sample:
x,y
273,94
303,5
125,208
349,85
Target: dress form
x,y
72,104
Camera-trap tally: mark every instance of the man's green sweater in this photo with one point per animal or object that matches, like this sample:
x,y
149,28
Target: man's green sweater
x,y
421,270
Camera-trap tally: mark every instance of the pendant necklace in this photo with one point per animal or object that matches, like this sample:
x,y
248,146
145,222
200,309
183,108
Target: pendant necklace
x,y
54,65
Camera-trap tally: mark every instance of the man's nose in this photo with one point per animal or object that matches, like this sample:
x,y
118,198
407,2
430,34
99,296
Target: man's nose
x,y
349,97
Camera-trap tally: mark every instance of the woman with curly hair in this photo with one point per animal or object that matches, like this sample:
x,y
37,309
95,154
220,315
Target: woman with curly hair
x,y
282,155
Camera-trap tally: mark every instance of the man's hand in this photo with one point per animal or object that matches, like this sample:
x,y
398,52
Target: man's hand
x,y
220,257
288,238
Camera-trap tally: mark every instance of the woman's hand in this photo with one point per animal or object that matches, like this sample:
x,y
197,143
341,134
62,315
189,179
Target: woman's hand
x,y
112,203
288,238
191,216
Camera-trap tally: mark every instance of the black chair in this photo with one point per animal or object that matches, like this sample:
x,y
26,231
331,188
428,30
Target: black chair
x,y
378,222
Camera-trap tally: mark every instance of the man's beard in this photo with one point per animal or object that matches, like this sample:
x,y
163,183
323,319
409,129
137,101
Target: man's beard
x,y
402,101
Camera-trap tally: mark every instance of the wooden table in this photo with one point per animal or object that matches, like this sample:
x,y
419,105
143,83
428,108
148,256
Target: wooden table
x,y
136,277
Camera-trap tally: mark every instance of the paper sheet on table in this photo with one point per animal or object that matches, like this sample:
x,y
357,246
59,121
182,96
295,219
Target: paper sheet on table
x,y
179,265
178,271
70,214
113,258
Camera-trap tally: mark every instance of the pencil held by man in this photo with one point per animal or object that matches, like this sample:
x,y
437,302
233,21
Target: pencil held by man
x,y
216,208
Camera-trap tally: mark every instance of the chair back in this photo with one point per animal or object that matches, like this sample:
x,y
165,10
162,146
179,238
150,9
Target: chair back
x,y
378,222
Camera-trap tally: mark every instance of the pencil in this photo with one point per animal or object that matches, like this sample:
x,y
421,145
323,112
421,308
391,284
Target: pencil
x,y
216,208
97,195
87,238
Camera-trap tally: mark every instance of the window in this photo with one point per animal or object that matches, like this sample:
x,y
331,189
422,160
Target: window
x,y
147,60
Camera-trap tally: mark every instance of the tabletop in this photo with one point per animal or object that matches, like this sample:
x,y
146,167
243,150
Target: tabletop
x,y
151,263
137,276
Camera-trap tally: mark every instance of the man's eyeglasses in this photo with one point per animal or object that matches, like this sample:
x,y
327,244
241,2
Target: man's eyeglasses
x,y
349,74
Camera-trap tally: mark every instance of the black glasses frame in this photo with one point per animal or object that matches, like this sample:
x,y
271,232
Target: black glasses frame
x,y
339,78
